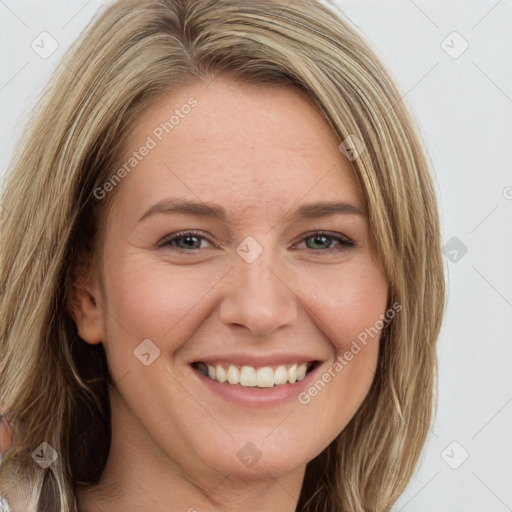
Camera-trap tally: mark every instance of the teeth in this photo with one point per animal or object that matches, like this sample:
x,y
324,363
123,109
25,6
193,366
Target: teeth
x,y
281,375
250,377
233,375
265,377
221,374
292,374
301,371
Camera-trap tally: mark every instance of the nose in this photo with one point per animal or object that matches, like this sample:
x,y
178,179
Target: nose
x,y
258,296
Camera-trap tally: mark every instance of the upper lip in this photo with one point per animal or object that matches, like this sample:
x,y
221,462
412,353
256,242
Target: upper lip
x,y
256,360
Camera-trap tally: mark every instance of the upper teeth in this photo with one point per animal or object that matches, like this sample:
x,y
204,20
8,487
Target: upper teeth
x,y
249,376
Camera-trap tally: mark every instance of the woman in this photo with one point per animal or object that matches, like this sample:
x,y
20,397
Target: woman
x,y
283,357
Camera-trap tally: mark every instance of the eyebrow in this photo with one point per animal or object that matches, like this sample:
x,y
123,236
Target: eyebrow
x,y
210,210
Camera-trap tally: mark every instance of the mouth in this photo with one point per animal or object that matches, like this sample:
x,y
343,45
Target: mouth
x,y
255,377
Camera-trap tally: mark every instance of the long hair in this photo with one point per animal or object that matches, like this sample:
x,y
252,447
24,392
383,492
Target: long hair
x,y
54,386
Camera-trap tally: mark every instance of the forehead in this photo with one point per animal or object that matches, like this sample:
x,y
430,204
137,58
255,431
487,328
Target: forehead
x,y
252,147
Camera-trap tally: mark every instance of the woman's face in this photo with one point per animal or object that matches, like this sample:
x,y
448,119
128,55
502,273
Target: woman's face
x,y
277,277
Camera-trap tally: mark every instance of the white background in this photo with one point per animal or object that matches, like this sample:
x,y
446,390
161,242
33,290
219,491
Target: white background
x,y
463,107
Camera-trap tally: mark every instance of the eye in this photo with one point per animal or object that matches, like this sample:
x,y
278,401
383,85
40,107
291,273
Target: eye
x,y
322,242
186,241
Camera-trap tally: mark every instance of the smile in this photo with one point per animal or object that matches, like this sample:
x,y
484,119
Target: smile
x,y
250,376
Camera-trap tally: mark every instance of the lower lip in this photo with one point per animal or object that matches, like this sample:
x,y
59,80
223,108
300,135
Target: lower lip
x,y
254,396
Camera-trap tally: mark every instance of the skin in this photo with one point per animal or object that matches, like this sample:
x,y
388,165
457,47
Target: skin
x,y
259,152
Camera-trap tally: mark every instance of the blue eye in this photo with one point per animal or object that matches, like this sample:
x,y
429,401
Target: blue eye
x,y
326,241
190,239
190,242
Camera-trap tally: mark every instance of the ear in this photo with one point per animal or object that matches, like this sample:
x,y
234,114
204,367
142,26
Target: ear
x,y
84,305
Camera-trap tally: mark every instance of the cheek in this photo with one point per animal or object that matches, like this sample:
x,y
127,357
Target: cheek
x,y
148,300
348,308
347,302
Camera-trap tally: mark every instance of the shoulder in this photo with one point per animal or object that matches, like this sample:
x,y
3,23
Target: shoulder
x,y
4,507
16,504
15,496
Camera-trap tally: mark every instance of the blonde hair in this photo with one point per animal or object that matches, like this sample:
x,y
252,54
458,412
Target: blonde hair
x,y
53,386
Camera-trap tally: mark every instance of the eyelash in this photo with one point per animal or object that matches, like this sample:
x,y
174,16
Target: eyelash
x,y
344,242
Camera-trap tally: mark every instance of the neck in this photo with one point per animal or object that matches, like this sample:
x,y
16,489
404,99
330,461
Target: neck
x,y
172,491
